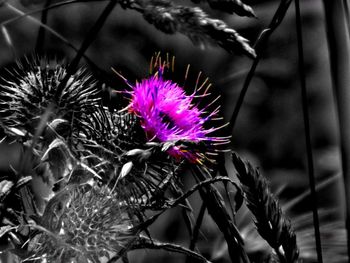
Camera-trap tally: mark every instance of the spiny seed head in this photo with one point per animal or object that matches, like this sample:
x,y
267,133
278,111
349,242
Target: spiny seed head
x,y
93,224
30,91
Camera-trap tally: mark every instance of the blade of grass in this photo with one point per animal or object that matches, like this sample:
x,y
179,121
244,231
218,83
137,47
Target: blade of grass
x,y
307,132
186,210
197,226
259,46
339,56
217,210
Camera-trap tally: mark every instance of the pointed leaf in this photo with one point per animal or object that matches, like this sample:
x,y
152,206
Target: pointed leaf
x,y
57,127
5,229
231,6
23,181
16,131
5,187
134,152
125,170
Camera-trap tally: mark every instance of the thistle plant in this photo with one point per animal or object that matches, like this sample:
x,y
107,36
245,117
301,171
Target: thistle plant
x,y
94,177
31,92
168,115
86,223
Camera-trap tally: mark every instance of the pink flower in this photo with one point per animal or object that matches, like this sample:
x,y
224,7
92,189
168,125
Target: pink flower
x,y
169,115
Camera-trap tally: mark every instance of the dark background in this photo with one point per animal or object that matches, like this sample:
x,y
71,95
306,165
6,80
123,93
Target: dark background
x,y
269,131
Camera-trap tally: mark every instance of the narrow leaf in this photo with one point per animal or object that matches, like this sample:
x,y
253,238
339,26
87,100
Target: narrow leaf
x,y
16,131
125,170
23,181
5,187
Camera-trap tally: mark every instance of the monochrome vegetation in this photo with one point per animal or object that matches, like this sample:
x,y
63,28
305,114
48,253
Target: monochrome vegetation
x,y
97,172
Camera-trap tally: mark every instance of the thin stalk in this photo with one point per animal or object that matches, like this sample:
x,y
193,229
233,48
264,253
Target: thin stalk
x,y
306,119
85,45
197,227
144,242
243,92
41,34
259,46
339,56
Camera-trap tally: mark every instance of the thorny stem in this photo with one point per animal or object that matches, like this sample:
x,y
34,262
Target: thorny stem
x,y
260,44
307,133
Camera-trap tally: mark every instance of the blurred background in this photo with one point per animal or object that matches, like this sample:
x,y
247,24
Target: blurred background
x,y
269,130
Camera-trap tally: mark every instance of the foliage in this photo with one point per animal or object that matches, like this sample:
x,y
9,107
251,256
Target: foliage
x,y
97,173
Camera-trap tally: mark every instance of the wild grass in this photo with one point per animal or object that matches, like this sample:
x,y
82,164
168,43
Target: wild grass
x,y
93,178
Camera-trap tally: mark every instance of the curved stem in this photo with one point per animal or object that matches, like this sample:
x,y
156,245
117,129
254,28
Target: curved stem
x,y
259,46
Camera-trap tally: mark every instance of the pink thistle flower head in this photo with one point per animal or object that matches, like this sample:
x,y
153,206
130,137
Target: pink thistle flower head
x,y
168,114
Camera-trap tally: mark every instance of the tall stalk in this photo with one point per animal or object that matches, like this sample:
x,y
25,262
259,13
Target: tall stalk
x,y
339,55
306,119
259,47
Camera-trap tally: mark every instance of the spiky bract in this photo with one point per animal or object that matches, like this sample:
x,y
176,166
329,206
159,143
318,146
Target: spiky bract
x,y
92,224
30,91
138,171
